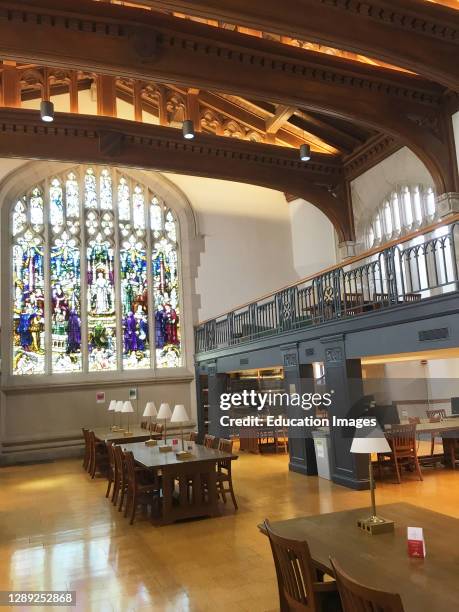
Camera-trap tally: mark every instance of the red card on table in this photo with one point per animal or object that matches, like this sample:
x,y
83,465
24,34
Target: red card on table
x,y
416,542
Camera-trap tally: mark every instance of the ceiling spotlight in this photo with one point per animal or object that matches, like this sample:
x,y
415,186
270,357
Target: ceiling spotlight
x,y
305,152
47,111
188,129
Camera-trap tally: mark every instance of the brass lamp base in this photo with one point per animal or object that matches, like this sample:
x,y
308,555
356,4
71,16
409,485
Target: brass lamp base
x,y
165,449
151,442
183,455
375,525
128,433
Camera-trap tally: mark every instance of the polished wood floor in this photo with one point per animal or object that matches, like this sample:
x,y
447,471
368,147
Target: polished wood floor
x,y
57,531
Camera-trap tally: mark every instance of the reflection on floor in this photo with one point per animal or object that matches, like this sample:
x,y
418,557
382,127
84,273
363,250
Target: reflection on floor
x,y
57,531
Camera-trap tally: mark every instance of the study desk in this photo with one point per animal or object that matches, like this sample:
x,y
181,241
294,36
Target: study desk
x,y
381,561
189,486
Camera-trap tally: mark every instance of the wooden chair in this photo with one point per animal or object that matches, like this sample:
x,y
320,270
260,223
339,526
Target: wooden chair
x,y
281,440
353,303
402,440
193,436
159,428
210,441
355,596
111,468
224,472
451,451
435,415
87,449
98,458
298,581
142,487
120,484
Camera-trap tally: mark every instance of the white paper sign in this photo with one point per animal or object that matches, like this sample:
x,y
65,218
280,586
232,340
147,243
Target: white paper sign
x,y
320,451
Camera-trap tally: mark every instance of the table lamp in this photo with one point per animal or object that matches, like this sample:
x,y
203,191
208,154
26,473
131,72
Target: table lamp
x,y
367,441
128,408
165,413
150,411
112,409
180,416
119,408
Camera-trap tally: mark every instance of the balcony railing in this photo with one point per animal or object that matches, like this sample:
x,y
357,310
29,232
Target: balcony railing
x,y
404,273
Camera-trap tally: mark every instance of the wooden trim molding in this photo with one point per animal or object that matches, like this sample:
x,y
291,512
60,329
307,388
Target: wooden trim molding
x,y
144,45
105,140
414,35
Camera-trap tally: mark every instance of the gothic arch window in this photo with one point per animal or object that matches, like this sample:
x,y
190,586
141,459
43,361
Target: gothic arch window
x,y
95,273
407,208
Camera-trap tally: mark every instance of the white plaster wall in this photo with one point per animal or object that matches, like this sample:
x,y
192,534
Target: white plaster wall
x,y
455,119
313,238
247,242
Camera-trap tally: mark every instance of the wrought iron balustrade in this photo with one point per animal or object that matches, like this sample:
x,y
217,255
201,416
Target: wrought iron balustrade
x,y
424,267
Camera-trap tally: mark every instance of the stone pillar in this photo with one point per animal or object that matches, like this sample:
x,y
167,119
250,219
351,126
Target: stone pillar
x,y
448,204
299,378
347,249
344,378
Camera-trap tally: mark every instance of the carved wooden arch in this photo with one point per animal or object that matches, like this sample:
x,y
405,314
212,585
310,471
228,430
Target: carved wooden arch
x,y
192,55
85,139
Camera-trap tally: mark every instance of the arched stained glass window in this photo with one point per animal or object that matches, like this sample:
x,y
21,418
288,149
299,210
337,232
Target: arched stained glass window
x,y
95,263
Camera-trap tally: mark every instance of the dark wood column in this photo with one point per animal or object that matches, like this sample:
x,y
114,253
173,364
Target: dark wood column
x,y
344,379
298,378
106,95
10,93
217,384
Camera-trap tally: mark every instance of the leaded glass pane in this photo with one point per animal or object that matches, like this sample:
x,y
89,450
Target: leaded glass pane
x,y
167,307
156,220
72,196
124,208
36,209
19,217
90,189
56,206
138,208
65,304
106,196
28,310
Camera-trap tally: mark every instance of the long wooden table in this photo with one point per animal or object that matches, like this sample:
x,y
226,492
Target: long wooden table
x,y
118,437
189,486
381,561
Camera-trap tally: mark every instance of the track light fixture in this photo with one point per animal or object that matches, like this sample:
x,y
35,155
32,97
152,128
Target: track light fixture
x,y
305,152
188,129
47,111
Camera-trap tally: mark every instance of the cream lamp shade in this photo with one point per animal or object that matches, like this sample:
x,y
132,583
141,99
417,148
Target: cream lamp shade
x,y
164,412
150,410
112,406
127,407
180,414
370,440
119,406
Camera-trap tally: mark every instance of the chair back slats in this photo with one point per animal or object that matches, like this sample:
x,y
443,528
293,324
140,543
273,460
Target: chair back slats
x,y
130,467
193,436
226,446
209,441
295,573
87,448
436,414
403,436
356,597
159,428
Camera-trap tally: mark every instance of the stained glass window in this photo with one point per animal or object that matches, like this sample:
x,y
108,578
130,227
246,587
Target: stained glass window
x,y
166,291
92,314
65,277
28,285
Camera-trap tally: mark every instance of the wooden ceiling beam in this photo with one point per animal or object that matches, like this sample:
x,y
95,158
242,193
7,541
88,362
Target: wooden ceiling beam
x,y
281,116
419,36
144,45
105,140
